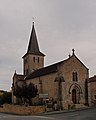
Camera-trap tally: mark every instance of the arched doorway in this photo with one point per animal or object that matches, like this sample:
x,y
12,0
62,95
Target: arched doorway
x,y
75,91
74,98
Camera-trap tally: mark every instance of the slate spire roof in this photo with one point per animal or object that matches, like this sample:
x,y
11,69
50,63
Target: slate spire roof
x,y
33,44
33,47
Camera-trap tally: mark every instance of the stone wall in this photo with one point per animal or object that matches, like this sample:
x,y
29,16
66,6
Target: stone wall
x,y
65,69
92,93
22,110
48,84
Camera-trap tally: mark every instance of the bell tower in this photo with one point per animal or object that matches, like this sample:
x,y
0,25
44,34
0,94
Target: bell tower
x,y
33,59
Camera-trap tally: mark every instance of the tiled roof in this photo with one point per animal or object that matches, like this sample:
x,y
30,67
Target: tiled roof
x,y
92,79
20,77
44,71
49,69
39,53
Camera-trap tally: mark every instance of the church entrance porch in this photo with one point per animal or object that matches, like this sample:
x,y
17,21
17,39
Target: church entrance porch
x,y
75,93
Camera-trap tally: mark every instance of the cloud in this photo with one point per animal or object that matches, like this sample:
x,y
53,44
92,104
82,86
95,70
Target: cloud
x,y
60,25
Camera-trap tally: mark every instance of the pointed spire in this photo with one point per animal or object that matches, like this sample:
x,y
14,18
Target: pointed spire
x,y
33,47
33,44
15,71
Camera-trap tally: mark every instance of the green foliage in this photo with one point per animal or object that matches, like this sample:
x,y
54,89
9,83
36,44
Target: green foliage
x,y
31,91
6,97
25,92
19,92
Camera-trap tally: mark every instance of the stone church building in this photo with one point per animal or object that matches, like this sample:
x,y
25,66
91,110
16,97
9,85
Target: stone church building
x,y
64,82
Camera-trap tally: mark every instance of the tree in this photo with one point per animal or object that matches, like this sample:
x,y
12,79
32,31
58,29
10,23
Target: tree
x,y
31,92
6,97
27,92
19,92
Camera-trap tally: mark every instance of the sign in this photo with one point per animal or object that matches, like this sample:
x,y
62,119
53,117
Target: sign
x,y
44,96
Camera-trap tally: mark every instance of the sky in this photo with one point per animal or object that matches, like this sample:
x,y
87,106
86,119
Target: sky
x,y
61,25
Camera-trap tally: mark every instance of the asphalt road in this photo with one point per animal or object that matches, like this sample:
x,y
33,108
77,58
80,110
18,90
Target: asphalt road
x,y
89,114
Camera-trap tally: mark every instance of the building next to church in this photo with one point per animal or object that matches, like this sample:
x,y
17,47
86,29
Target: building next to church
x,y
92,90
64,82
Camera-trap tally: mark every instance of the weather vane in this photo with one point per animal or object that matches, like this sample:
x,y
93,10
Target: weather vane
x,y
33,19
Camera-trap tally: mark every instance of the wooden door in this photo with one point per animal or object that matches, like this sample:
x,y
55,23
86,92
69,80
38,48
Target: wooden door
x,y
74,96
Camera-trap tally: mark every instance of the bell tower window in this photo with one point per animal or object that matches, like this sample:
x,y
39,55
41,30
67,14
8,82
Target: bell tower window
x,y
38,59
34,59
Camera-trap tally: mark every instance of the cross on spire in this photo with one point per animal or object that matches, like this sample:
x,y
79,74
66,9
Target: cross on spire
x,y
73,51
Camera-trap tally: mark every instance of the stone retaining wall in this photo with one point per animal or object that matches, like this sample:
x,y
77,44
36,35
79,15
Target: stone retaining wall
x,y
22,110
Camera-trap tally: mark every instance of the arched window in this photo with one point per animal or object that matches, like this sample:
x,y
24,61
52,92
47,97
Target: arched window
x,y
38,59
74,76
34,59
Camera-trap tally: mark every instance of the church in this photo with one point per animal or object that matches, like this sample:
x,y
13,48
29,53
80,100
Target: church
x,y
64,82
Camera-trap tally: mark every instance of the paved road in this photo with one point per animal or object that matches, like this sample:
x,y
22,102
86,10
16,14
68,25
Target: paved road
x,y
89,114
15,117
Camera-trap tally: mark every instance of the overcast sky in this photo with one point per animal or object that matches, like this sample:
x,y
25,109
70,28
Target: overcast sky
x,y
60,26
